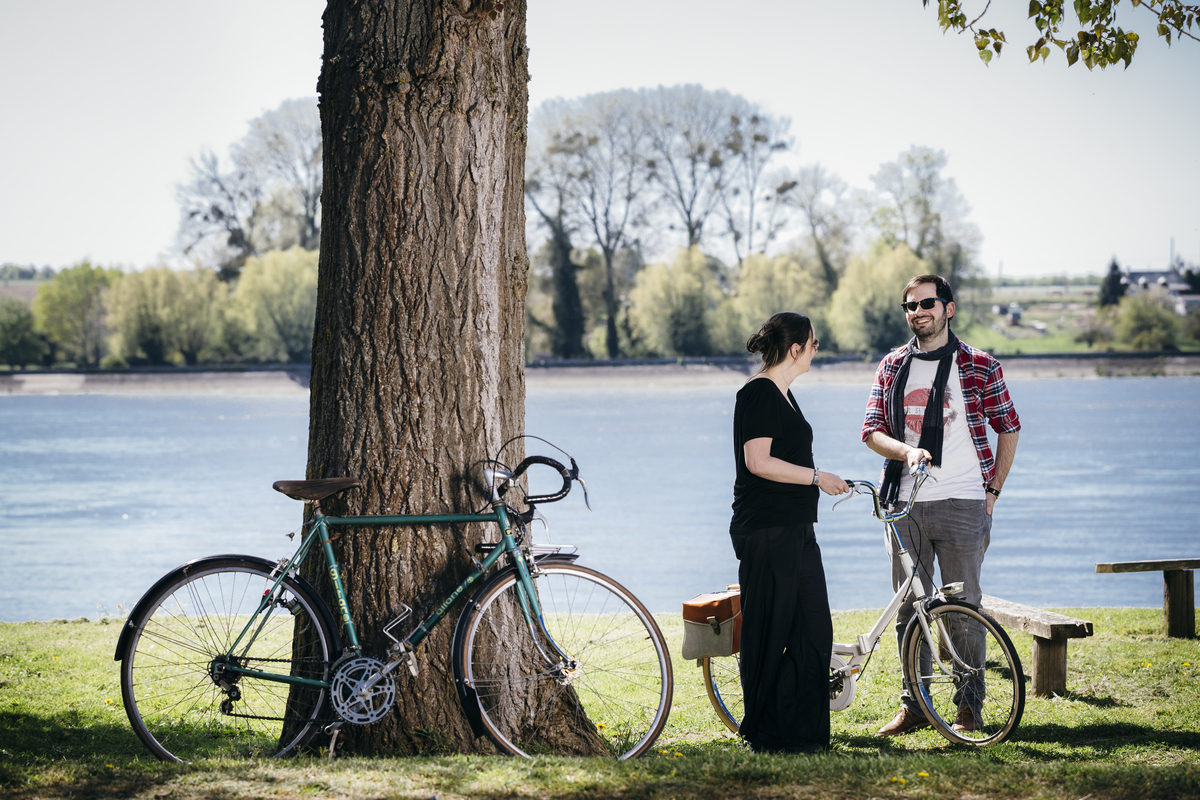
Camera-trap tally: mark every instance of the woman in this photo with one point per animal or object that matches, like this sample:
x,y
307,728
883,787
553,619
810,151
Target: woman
x,y
787,632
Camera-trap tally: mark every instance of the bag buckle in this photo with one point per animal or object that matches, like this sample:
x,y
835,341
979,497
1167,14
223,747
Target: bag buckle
x,y
716,626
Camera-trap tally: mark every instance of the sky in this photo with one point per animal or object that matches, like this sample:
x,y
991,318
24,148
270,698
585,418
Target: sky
x,y
103,105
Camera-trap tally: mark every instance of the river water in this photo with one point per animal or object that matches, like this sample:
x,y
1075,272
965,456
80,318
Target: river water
x,y
102,494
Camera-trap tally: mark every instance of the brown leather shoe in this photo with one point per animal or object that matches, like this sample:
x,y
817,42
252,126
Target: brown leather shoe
x,y
967,721
907,720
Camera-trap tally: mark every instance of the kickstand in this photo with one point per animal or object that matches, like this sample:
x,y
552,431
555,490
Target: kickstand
x,y
334,734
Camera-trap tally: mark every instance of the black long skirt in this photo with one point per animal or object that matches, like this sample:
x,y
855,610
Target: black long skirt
x,y
787,637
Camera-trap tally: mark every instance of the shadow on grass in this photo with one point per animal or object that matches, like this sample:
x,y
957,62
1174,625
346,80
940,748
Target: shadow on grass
x,y
62,756
1090,742
1096,702
27,739
1105,739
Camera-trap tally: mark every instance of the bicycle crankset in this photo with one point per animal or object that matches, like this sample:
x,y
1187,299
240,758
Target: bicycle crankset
x,y
353,702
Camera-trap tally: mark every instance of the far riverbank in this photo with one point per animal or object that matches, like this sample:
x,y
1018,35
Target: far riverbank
x,y
294,379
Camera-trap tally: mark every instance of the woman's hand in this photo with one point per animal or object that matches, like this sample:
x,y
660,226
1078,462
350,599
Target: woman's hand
x,y
832,484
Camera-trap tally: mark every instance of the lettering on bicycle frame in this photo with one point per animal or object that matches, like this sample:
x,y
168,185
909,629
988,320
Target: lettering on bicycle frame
x,y
343,606
444,607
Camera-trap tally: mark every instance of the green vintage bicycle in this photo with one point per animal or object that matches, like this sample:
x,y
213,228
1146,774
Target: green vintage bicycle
x,y
235,655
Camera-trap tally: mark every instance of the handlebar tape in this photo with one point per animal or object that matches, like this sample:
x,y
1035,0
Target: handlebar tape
x,y
549,462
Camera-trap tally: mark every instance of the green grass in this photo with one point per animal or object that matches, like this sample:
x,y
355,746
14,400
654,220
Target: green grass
x,y
1129,728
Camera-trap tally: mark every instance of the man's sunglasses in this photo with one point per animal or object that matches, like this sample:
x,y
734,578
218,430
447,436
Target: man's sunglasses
x,y
926,304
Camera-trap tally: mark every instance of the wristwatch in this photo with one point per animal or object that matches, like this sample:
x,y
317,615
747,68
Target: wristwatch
x,y
992,491
816,476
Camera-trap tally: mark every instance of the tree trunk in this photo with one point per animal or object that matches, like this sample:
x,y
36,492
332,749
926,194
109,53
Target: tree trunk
x,y
417,359
612,344
567,339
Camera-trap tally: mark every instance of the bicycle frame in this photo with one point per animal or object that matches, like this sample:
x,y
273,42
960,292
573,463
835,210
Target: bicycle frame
x,y
866,643
319,533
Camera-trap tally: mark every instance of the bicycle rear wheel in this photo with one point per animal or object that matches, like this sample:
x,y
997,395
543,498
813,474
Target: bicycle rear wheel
x,y
723,682
592,678
183,703
974,692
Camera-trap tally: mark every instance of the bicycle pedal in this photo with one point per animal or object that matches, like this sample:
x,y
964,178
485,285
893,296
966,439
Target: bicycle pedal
x,y
334,735
411,657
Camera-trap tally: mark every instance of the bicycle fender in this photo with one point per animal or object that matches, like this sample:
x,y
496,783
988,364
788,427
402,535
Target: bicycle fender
x,y
128,627
467,696
938,602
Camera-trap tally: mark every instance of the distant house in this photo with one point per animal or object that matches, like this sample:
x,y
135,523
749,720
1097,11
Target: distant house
x,y
1186,303
1168,279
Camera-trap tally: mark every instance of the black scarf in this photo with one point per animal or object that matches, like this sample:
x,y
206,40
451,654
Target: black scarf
x,y
933,426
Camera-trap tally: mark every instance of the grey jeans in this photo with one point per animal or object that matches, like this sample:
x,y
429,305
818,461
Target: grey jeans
x,y
957,534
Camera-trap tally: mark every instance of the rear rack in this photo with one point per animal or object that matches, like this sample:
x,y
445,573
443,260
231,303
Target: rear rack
x,y
538,551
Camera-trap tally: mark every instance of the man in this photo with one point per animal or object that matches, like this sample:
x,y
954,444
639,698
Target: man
x,y
930,400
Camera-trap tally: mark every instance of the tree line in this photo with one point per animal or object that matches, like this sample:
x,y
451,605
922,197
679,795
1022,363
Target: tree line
x,y
662,222
95,316
614,180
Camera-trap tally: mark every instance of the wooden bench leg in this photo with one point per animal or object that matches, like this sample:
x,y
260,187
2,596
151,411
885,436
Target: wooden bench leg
x,y
1049,666
1179,603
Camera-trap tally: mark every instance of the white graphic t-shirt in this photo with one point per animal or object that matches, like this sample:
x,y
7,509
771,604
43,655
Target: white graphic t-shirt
x,y
959,475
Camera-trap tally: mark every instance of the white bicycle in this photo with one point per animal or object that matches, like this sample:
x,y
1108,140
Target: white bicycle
x,y
959,655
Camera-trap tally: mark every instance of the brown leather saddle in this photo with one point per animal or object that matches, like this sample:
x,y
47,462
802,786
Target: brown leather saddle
x,y
315,490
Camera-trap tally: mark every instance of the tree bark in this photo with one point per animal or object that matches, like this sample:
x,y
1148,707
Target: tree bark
x,y
418,362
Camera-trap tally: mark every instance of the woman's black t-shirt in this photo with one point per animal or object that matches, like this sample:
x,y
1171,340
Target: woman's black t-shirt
x,y
762,411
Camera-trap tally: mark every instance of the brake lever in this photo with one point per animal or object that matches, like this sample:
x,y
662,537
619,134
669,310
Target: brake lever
x,y
538,516
854,492
575,477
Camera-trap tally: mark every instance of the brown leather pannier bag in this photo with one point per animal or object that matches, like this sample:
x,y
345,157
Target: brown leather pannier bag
x,y
712,624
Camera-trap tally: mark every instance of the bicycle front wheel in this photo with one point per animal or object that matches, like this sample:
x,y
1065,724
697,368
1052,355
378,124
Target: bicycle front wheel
x,y
181,698
973,692
591,677
723,682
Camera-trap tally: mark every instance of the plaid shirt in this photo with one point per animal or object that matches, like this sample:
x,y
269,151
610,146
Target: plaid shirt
x,y
984,392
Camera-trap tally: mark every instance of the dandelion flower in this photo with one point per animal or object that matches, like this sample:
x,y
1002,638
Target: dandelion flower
x,y
922,774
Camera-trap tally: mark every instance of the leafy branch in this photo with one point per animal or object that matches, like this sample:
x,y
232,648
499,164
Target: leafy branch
x,y
1098,41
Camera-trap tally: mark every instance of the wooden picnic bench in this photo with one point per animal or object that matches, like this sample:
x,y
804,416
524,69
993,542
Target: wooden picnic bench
x,y
1050,630
1179,590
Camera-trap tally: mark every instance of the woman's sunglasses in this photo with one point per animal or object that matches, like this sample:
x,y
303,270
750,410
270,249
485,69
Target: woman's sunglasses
x,y
926,304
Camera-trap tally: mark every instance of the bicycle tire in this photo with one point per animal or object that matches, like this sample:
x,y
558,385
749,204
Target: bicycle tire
x,y
615,696
181,631
723,683
998,694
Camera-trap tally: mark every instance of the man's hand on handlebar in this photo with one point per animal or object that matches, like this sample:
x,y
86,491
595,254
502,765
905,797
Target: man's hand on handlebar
x,y
915,456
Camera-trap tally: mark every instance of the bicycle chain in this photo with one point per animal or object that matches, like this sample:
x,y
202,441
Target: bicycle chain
x,y
272,719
